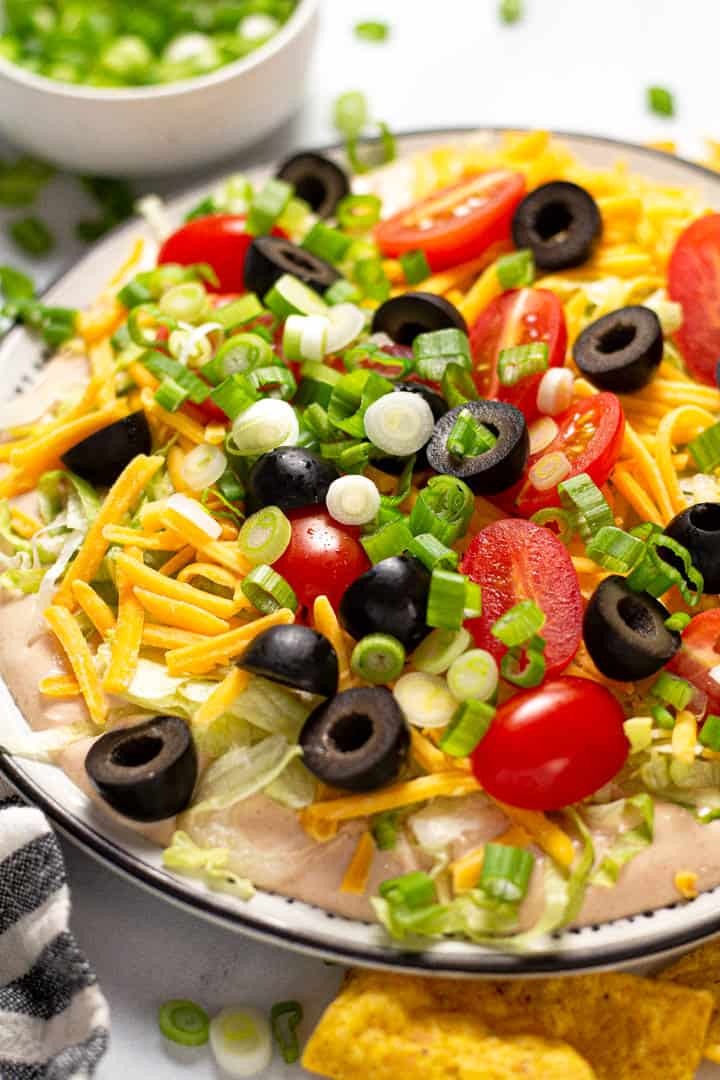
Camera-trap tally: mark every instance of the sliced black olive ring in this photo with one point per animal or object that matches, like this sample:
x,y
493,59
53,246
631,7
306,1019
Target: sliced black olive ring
x,y
389,598
438,406
625,632
698,530
317,180
295,656
146,772
357,740
101,457
269,257
621,351
560,223
404,317
290,477
495,470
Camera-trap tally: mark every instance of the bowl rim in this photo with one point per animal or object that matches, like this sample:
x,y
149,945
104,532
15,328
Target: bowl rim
x,y
304,12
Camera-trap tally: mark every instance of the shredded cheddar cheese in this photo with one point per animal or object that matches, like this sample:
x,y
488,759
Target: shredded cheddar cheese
x,y
65,627
178,613
545,833
466,870
326,623
59,686
98,612
356,876
126,638
199,659
222,697
451,784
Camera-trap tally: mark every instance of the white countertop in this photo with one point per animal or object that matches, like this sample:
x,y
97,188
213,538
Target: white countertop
x,y
572,65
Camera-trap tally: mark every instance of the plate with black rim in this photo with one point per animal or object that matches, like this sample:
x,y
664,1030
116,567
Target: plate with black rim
x,y
272,917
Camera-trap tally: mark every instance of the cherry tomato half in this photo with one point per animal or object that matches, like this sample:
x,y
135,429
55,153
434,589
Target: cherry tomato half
x,y
456,223
219,240
700,654
694,282
550,747
519,317
515,560
590,434
322,558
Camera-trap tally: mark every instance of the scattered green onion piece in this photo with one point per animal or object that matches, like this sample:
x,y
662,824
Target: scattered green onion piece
x,y
563,519
274,381
234,395
638,732
451,599
413,890
678,621
204,208
289,296
370,356
160,365
399,424
184,1022
239,353
358,212
285,1019
432,553
582,497
354,458
203,466
170,395
230,488
378,658
662,717
372,279
532,672
372,31
391,539
444,508
305,337
134,293
316,383
342,292
468,437
384,829
660,101
187,302
506,872
520,361
467,728
32,236
433,352
351,398
315,419
415,266
672,690
264,537
511,11
238,312
14,285
350,114
267,590
327,243
655,574
458,386
615,550
705,449
265,425
439,649
518,624
473,675
353,500
267,205
709,735
516,270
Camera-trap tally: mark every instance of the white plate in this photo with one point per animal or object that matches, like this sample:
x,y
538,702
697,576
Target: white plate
x,y
273,918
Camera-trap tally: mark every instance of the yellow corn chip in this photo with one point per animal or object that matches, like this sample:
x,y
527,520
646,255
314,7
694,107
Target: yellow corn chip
x,y
700,969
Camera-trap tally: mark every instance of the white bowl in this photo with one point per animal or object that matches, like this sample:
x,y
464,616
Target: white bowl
x,y
157,129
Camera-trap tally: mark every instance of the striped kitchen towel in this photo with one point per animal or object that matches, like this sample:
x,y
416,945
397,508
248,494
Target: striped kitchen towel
x,y
53,1016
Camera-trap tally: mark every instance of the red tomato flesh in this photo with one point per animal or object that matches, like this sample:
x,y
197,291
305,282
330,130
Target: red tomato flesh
x,y
590,434
699,655
694,282
323,558
519,317
456,223
552,746
219,240
514,560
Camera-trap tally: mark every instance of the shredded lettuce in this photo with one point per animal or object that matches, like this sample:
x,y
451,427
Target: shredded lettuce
x,y
221,734
242,772
272,708
7,533
629,843
60,491
294,787
211,865
43,745
694,786
22,578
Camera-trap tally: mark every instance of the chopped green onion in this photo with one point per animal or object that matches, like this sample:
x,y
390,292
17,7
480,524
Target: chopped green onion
x,y
467,728
468,437
353,500
264,426
342,292
305,337
238,312
351,399
533,671
660,101
358,212
134,293
458,386
473,675
672,690
390,539
274,381
615,550
424,699
285,1019
413,890
372,31
506,872
316,383
451,599
432,553
656,574
520,361
14,285
439,649
160,365
415,266
511,11
204,208
230,488
184,1022
239,353
662,717
705,449
399,424
170,395
372,279
638,732
241,1041
31,235
518,624
264,537
444,508
433,352
710,732
378,658
289,296
267,205
234,396
203,466
350,114
372,356
384,829
678,621
582,497
187,302
563,519
267,590
326,243
516,270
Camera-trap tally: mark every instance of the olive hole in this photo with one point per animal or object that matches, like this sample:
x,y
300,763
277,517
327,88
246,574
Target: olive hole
x,y
636,616
298,258
406,334
311,190
350,733
616,338
706,518
134,752
553,221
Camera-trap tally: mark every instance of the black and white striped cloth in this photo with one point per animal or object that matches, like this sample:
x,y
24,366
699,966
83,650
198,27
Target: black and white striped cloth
x,y
53,1017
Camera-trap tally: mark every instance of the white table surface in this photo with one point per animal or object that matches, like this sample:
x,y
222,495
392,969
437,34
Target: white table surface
x,y
571,64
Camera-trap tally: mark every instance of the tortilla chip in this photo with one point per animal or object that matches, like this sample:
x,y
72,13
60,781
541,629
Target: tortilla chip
x,y
700,969
376,1030
625,1027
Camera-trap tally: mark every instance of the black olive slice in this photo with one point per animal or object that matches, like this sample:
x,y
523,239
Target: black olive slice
x,y
621,351
317,180
295,656
698,529
357,740
290,477
101,457
404,317
497,469
146,772
389,598
269,257
438,406
625,631
560,222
